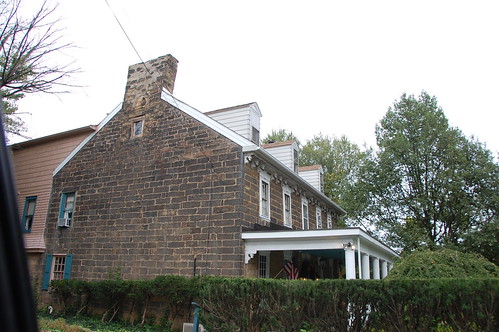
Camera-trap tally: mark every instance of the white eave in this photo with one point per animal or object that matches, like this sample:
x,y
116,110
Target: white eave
x,y
266,156
247,146
203,118
324,239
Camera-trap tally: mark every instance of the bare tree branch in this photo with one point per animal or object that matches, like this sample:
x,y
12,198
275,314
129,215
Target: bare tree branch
x,y
26,48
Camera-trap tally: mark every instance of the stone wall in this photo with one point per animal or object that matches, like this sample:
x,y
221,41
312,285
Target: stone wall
x,y
164,202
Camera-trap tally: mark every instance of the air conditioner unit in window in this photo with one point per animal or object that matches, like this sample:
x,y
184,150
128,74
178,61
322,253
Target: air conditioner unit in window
x,y
188,327
64,222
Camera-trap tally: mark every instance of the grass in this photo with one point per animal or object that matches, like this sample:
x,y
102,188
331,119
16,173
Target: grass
x,y
48,323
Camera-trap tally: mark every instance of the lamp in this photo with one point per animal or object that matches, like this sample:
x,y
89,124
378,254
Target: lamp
x,y
348,245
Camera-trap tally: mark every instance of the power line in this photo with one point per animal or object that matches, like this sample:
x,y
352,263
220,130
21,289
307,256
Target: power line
x,y
128,37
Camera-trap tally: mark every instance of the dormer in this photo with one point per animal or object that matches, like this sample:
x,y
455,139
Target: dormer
x,y
243,119
286,152
313,175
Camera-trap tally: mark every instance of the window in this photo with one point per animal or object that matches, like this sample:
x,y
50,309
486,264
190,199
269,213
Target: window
x,y
57,267
318,217
66,209
255,135
304,213
295,160
264,265
28,214
329,221
321,181
264,195
286,193
137,127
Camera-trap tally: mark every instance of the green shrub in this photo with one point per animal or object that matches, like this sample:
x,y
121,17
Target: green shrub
x,y
443,263
243,304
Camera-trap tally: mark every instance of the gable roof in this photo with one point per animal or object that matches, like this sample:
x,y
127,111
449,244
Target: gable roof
x,y
53,137
206,120
256,109
277,144
86,140
309,168
248,146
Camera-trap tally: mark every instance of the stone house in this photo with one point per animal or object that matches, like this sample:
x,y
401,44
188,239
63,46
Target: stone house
x,y
161,188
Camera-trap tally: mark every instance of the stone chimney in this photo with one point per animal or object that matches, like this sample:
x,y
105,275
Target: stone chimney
x,y
146,80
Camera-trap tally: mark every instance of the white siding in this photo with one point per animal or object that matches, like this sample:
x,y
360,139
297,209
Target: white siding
x,y
313,177
239,119
284,153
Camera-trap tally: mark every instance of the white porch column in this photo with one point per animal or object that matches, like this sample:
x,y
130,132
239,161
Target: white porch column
x,y
384,269
350,263
365,267
375,268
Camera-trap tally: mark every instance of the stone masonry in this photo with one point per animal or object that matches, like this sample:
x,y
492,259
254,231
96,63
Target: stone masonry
x,y
155,204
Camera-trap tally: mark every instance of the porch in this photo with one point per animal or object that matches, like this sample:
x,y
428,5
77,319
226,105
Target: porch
x,y
348,253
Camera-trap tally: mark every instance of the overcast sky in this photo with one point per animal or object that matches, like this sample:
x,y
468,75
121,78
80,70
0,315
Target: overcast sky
x,y
330,67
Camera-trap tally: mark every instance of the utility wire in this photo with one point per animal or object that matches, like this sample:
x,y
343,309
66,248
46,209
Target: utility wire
x,y
127,37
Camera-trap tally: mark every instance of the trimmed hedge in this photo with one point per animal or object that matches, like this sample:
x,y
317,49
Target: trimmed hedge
x,y
242,304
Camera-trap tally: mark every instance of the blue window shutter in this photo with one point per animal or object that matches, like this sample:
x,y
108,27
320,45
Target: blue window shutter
x,y
61,207
67,266
46,274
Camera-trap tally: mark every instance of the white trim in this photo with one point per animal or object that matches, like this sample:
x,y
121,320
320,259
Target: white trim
x,y
318,217
329,218
315,240
304,202
265,254
203,118
86,140
286,190
264,177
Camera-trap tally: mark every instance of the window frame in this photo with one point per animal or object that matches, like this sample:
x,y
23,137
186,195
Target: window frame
x,y
287,215
296,163
64,270
318,217
264,199
329,219
305,214
255,135
263,258
63,211
24,221
135,121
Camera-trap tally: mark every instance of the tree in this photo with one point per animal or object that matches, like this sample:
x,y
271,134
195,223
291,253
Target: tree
x,y
280,135
341,161
25,46
427,184
442,263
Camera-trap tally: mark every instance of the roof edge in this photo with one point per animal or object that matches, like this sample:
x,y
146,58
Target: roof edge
x,y
206,120
89,137
52,137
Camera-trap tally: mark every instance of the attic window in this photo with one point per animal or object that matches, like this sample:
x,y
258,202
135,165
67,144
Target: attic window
x,y
295,160
255,135
137,127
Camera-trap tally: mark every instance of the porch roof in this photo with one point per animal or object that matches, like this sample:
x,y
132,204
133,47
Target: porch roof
x,y
316,240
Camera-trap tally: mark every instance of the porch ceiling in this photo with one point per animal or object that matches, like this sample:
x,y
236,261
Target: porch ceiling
x,y
324,239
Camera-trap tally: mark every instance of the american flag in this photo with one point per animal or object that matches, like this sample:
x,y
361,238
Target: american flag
x,y
291,270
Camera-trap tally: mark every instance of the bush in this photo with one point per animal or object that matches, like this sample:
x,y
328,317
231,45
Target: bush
x,y
349,305
243,304
443,263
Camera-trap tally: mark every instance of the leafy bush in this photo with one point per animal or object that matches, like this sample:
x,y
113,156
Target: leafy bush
x,y
243,304
443,263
